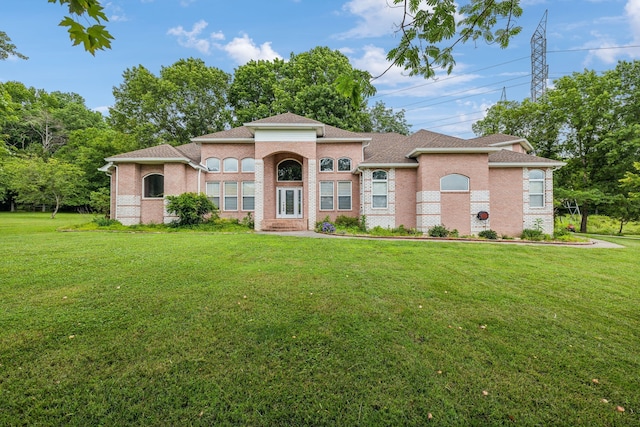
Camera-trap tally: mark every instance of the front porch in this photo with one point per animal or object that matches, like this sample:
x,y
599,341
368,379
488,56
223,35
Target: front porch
x,y
298,224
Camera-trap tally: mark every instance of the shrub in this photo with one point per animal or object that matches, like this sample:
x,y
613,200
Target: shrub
x,y
532,234
191,208
488,234
248,221
439,231
100,201
347,221
102,221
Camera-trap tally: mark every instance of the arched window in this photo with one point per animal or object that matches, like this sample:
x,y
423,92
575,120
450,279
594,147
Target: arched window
x,y
326,165
213,164
153,186
536,188
230,164
379,189
344,164
289,170
454,182
248,165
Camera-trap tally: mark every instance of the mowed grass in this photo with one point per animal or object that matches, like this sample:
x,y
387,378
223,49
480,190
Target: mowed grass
x,y
100,328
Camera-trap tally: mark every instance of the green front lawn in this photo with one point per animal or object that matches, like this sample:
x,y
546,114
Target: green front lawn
x,y
100,328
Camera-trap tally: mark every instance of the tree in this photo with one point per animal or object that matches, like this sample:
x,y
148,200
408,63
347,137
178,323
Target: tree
x,y
33,119
427,23
589,120
187,99
308,85
7,48
87,149
39,182
386,120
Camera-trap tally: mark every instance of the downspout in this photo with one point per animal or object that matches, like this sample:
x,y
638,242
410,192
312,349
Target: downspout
x,y
363,148
115,214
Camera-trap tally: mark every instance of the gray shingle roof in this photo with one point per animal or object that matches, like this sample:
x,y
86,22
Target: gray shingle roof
x,y
508,156
164,151
285,118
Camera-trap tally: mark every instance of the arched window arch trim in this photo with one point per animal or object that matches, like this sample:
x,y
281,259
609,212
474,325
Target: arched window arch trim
x,y
292,174
454,182
344,164
153,186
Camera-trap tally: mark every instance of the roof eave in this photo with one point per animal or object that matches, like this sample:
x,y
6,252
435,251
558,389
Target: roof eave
x,y
319,128
224,140
453,150
387,165
147,160
523,142
526,164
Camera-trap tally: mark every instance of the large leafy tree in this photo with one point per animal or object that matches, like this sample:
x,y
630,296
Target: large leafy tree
x,y
307,85
384,119
36,181
591,121
187,99
87,149
39,121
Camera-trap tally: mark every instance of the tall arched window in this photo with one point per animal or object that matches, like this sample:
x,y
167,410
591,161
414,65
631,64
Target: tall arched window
x,y
289,170
454,182
379,190
153,186
536,188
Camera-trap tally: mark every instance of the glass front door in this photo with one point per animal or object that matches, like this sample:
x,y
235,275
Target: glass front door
x,y
289,202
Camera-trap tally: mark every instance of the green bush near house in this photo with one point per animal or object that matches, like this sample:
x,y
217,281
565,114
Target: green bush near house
x,y
191,208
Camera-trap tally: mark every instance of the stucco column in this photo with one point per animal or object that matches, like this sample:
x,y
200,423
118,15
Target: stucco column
x,y
258,214
311,193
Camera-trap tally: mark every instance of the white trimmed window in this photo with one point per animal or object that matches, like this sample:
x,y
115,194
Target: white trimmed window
x,y
153,186
379,190
289,170
536,188
213,164
326,195
230,196
326,165
454,182
248,196
344,195
213,193
230,164
248,165
344,164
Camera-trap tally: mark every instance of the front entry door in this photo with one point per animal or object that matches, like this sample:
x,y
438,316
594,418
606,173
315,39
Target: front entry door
x,y
289,200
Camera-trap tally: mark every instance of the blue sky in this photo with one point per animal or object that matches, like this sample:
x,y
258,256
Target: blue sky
x,y
225,34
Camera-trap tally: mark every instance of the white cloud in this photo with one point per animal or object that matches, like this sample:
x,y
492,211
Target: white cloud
x,y
192,39
632,10
116,13
376,18
244,49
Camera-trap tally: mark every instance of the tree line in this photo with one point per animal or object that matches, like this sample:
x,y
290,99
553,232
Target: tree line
x,y
51,144
592,122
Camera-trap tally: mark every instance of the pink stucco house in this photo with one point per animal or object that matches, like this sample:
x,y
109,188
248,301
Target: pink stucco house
x,y
289,171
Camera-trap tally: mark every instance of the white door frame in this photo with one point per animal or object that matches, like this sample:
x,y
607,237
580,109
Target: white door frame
x,y
289,202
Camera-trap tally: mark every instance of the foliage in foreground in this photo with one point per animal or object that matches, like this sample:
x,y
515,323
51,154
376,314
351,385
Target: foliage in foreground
x,y
294,331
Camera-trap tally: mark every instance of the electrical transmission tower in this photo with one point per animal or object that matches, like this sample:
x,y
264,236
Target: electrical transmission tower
x,y
539,67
